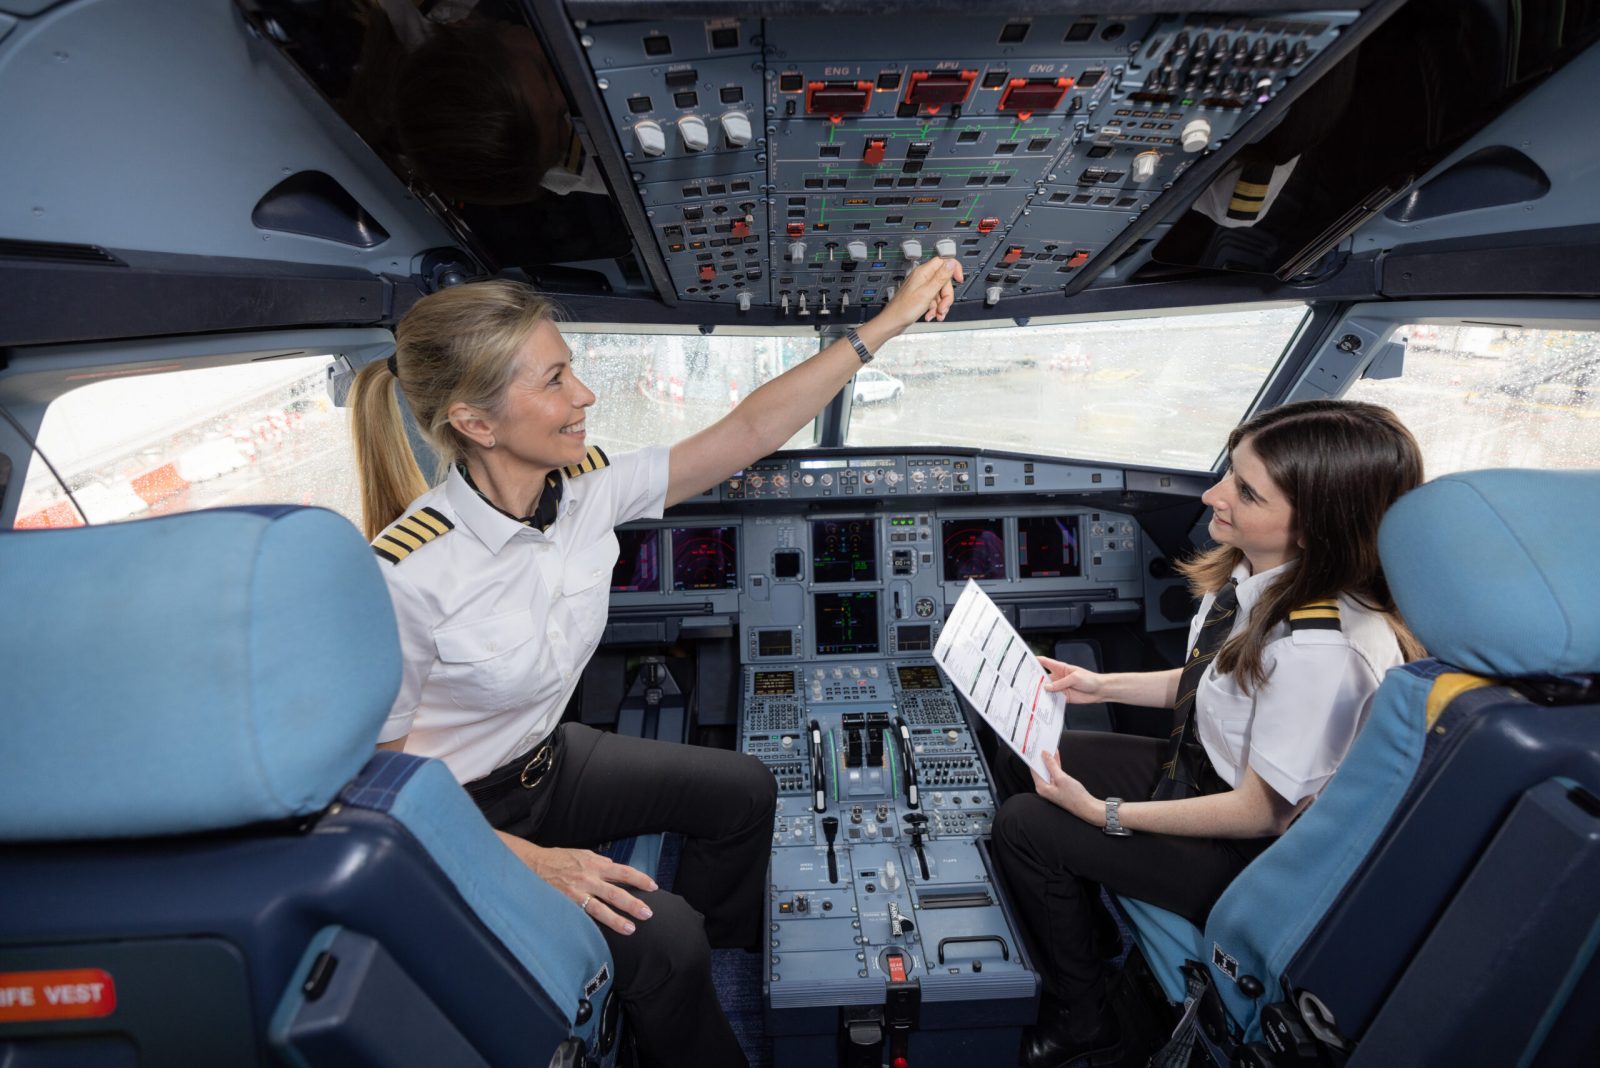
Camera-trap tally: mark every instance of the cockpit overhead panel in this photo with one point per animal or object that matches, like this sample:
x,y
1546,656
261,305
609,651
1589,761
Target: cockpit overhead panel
x,y
808,163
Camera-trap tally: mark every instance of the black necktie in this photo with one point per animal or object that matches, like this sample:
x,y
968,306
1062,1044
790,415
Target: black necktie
x,y
1186,761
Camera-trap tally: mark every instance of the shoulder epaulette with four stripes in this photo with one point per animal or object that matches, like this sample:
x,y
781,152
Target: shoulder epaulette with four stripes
x,y
593,462
408,535
1315,615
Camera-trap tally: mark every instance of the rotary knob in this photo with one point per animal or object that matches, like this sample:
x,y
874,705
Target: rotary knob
x,y
736,128
692,128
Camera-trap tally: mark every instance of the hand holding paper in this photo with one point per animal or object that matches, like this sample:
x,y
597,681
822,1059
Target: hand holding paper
x,y
987,660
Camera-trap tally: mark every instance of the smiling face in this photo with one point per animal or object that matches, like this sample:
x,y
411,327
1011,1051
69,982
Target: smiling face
x,y
1251,513
541,420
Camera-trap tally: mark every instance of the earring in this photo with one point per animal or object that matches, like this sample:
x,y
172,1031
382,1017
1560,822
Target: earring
x,y
490,445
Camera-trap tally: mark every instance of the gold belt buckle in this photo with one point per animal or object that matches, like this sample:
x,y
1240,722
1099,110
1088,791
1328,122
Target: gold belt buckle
x,y
538,766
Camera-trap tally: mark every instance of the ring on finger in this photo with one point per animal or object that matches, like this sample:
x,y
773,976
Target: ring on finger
x,y
586,899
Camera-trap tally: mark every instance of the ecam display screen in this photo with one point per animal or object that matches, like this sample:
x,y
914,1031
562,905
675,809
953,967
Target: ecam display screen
x,y
844,550
705,558
847,623
639,566
1047,546
973,548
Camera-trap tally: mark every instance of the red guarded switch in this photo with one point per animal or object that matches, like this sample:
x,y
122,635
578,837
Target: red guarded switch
x,y
988,223
874,153
708,273
1013,254
741,228
1079,258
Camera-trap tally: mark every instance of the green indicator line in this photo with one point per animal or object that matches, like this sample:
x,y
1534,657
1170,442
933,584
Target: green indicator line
x,y
832,129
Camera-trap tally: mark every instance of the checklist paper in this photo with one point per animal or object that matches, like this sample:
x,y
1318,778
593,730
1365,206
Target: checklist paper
x,y
987,660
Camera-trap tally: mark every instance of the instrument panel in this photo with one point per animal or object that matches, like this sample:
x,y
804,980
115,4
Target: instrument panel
x,y
833,576
807,164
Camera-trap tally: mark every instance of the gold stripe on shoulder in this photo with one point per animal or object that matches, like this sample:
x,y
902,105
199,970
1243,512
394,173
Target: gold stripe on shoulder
x,y
1315,615
409,533
594,461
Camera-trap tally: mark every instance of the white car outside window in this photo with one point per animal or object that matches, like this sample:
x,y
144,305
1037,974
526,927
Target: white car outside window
x,y
873,386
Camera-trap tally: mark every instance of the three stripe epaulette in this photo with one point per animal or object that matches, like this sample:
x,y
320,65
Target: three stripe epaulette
x,y
406,536
1315,615
592,462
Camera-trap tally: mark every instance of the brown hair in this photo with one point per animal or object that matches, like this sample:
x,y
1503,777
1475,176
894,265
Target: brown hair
x,y
1340,464
456,345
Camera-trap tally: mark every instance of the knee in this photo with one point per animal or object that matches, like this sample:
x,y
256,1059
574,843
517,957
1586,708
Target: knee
x,y
1014,824
668,946
751,788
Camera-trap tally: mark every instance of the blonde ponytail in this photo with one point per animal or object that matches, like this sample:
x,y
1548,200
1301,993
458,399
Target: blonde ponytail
x,y
388,471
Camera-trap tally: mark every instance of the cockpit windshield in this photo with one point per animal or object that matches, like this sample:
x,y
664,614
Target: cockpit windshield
x,y
1162,391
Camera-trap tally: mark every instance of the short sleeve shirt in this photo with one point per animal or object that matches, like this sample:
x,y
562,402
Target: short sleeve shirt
x,y
1294,730
497,618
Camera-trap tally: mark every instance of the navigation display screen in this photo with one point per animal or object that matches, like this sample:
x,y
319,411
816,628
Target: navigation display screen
x,y
705,558
973,548
639,567
774,683
914,639
919,677
847,623
844,550
1047,546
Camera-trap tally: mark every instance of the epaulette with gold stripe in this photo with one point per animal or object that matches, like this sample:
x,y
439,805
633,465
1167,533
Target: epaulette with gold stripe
x,y
408,535
1315,615
593,462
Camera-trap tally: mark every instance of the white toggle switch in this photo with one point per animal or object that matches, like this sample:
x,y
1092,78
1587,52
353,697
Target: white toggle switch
x,y
857,250
803,311
889,878
744,301
844,301
736,128
797,251
991,296
692,128
1196,135
945,246
911,249
1144,166
652,141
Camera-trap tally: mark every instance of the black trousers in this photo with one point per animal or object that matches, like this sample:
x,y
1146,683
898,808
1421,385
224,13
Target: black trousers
x,y
1055,863
605,786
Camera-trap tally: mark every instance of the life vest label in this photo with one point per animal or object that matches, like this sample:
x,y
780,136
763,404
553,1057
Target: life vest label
x,y
74,993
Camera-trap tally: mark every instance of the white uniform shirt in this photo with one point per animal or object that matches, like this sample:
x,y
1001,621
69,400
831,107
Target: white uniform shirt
x,y
1294,730
498,619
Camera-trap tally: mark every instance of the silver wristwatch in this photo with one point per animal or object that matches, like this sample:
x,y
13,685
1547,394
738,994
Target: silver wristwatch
x,y
1113,825
860,346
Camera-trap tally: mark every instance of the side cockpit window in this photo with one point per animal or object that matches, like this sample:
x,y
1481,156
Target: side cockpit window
x,y
154,444
1480,396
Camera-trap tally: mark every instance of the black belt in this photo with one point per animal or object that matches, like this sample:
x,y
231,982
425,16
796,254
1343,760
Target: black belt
x,y
527,771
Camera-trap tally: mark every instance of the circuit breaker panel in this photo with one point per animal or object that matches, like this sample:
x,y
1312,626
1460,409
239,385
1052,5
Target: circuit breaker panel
x,y
808,164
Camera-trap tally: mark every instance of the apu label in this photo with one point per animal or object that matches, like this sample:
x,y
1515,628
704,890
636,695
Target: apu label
x,y
70,994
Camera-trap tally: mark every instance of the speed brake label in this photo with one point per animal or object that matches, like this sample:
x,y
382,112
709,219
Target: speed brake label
x,y
69,994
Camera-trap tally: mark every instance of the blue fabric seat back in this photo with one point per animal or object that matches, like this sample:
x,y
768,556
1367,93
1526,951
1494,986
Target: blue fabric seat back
x,y
1486,570
189,673
227,672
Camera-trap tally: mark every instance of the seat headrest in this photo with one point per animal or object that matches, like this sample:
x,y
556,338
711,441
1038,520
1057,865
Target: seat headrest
x,y
1495,570
188,673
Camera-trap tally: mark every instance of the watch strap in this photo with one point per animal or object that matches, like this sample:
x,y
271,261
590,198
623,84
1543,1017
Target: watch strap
x,y
1114,825
859,345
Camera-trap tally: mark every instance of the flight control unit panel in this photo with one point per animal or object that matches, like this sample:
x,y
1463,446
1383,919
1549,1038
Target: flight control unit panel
x,y
888,933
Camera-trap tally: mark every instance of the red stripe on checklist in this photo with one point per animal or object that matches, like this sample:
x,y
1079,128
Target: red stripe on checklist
x,y
1029,732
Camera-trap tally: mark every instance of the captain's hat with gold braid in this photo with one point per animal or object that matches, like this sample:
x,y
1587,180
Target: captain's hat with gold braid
x,y
406,536
1315,615
594,461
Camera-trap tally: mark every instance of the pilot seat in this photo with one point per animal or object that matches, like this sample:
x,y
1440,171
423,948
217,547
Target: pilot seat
x,y
206,862
1436,904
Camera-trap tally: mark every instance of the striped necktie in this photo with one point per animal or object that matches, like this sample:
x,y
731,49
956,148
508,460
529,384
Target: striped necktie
x,y
1186,761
